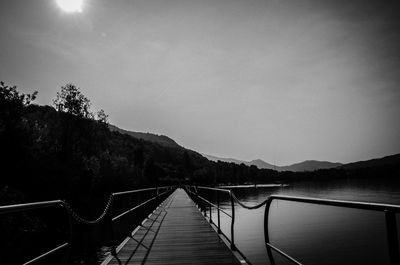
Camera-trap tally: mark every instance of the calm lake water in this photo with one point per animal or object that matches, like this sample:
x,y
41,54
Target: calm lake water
x,y
315,234
312,234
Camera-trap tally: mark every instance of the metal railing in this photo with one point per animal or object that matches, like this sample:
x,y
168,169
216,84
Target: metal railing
x,y
193,192
389,210
7,209
153,196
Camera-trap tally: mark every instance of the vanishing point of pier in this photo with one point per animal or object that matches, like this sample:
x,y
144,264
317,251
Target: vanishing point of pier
x,y
176,233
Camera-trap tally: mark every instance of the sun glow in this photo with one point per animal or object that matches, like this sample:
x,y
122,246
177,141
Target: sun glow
x,y
70,6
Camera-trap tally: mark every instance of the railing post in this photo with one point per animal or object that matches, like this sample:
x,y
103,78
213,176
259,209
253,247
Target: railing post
x,y
210,214
205,209
70,236
233,247
113,248
392,237
266,231
197,199
138,202
218,215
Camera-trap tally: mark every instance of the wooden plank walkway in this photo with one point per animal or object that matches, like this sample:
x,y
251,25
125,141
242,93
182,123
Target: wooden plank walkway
x,y
176,233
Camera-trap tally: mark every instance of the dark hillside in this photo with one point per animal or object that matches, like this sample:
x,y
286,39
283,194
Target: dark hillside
x,y
63,155
161,139
310,165
53,154
393,160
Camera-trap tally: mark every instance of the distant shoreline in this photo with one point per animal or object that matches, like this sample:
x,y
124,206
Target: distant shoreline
x,y
255,186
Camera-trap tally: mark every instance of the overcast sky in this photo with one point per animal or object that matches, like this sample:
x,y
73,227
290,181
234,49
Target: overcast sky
x,y
283,81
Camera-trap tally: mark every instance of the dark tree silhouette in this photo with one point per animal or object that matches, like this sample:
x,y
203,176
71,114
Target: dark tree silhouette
x,y
138,158
12,103
187,161
102,116
71,100
13,134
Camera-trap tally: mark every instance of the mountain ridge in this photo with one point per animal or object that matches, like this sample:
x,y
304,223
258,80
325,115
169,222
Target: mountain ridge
x,y
311,165
151,137
307,165
375,162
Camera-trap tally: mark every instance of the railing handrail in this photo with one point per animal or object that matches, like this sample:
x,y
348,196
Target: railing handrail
x,y
14,208
48,253
211,188
216,206
131,191
332,202
340,203
139,190
136,207
4,209
390,211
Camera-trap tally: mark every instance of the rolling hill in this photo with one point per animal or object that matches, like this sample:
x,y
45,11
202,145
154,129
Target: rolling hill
x,y
308,165
391,160
151,137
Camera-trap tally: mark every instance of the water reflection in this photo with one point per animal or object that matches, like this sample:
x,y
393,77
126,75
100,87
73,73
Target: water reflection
x,y
315,234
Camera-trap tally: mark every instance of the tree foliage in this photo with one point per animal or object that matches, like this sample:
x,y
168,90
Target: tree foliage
x,y
102,117
12,131
71,100
9,94
12,103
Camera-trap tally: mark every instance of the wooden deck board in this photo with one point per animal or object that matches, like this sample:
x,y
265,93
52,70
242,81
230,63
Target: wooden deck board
x,y
180,235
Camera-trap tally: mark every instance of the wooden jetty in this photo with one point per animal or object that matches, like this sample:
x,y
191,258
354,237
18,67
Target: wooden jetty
x,y
175,233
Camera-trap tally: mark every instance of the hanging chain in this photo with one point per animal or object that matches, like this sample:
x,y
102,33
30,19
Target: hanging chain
x,y
81,220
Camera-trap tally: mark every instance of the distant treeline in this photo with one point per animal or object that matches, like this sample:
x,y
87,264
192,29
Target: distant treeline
x,y
67,152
